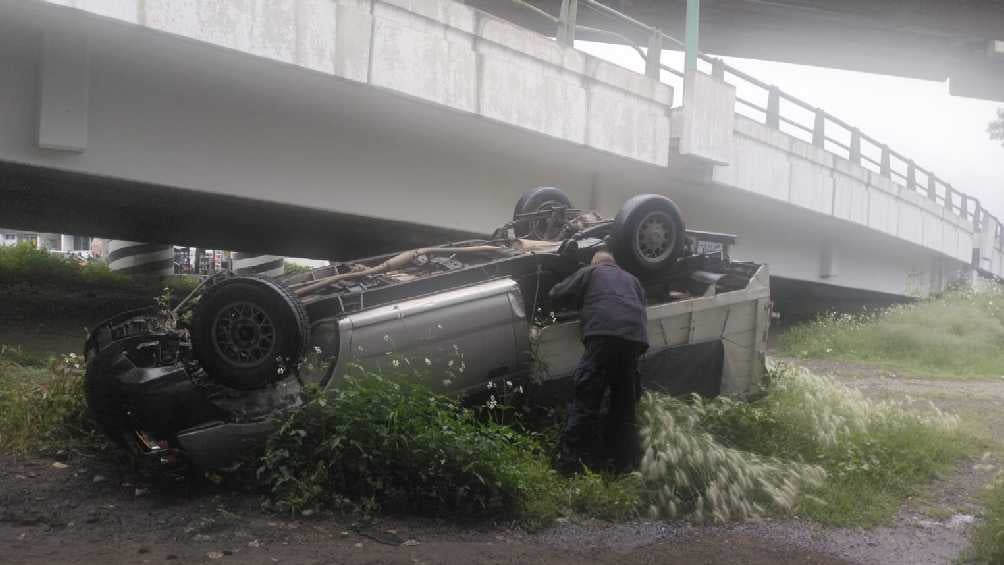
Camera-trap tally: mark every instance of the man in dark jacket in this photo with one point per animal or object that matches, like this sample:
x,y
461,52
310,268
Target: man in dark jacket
x,y
611,305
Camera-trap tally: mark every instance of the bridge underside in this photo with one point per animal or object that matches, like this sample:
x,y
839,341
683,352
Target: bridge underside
x,y
913,38
46,199
190,143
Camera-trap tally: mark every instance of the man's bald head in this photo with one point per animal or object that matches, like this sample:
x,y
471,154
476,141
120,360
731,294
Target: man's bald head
x,y
603,258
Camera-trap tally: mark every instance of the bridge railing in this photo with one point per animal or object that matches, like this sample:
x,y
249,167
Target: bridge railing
x,y
783,112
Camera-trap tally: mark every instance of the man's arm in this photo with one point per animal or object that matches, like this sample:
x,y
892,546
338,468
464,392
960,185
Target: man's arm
x,y
572,288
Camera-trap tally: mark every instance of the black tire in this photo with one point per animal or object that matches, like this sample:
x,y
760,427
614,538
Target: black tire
x,y
534,200
648,234
249,331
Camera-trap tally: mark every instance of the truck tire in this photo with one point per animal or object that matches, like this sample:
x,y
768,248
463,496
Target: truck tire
x,y
648,234
249,331
535,200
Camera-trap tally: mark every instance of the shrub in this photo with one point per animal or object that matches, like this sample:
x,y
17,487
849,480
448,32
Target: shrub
x,y
385,444
293,268
25,264
41,408
958,334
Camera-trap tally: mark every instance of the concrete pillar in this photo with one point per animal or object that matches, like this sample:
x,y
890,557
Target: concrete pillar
x,y
257,264
66,242
134,258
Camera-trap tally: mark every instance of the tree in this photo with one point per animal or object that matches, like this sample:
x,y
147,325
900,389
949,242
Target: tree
x,y
996,127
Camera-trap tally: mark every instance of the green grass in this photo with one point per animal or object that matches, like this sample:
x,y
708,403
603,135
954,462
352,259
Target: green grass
x,y
959,334
988,539
808,446
873,454
41,402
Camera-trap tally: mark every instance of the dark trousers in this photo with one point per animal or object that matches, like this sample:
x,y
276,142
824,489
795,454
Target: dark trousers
x,y
609,363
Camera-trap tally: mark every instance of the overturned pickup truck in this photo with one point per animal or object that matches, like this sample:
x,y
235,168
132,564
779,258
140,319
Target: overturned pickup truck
x,y
200,384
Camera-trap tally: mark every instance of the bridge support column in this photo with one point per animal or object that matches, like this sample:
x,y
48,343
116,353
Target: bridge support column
x,y
258,264
692,37
135,258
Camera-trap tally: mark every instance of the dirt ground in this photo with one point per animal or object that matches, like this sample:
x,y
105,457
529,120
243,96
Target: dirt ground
x,y
74,509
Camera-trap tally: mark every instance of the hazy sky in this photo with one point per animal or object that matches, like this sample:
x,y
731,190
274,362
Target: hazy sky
x,y
919,119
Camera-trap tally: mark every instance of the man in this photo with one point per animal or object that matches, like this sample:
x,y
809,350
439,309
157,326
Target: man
x,y
611,305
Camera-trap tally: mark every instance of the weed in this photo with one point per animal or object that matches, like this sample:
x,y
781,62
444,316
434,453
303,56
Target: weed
x,y
988,539
42,408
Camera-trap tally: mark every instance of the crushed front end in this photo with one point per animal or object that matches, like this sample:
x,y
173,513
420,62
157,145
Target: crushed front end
x,y
149,394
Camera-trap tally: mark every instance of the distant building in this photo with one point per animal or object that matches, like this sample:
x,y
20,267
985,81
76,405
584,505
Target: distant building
x,y
50,241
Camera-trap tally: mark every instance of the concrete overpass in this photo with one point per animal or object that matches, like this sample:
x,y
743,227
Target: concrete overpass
x,y
337,128
924,39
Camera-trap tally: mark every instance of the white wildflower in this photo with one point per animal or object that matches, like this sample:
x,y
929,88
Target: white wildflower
x,y
428,363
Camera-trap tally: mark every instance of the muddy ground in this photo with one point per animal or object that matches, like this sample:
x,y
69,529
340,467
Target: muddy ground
x,y
77,509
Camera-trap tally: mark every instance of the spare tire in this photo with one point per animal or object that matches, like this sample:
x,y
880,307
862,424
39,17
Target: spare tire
x,y
536,200
648,234
249,331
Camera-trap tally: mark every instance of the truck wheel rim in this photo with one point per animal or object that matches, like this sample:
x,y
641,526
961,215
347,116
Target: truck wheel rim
x,y
546,229
243,334
655,237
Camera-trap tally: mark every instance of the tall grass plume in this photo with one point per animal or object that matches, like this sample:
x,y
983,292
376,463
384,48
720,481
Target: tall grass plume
x,y
809,445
